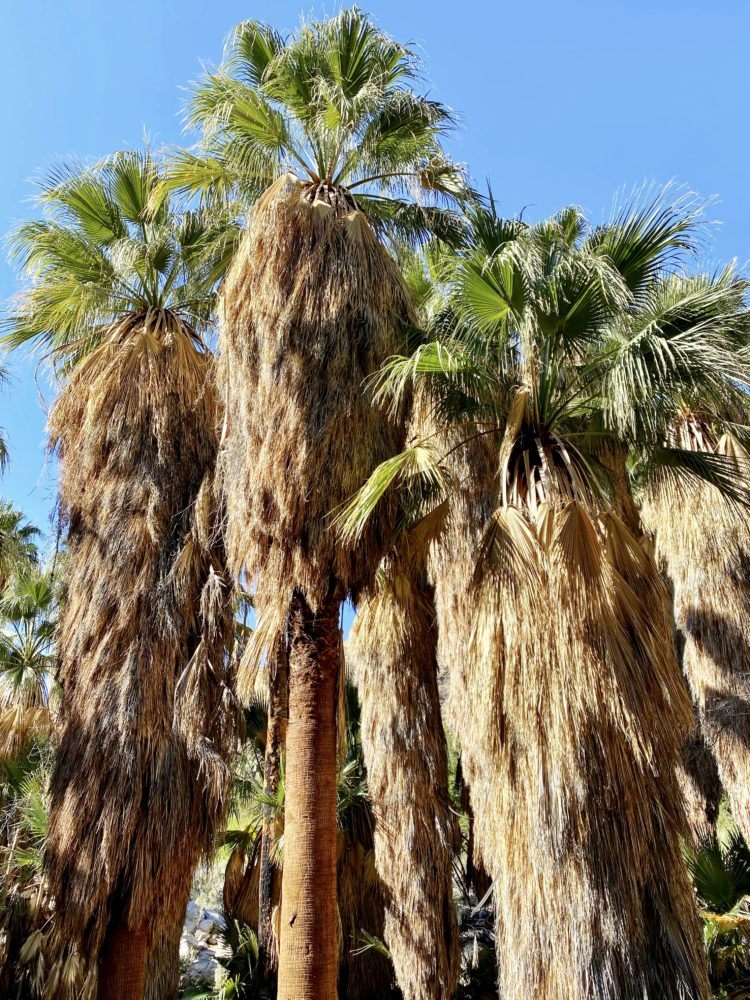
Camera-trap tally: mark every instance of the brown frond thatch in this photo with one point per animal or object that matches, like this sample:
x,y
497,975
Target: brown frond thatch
x,y
701,787
312,306
452,565
570,712
140,779
393,644
584,726
703,543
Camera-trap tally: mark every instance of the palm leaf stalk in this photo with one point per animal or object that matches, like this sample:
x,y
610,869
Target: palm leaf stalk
x,y
120,295
406,758
312,306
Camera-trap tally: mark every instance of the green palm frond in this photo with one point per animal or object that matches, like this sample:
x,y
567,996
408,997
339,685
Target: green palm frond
x,y
110,245
417,469
336,103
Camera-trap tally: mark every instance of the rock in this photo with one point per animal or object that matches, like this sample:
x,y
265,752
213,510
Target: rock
x,y
216,918
205,971
193,915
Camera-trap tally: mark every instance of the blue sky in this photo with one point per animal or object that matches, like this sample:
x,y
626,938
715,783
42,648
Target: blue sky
x,y
561,103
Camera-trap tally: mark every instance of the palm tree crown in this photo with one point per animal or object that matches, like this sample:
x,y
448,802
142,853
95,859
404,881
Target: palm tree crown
x,y
100,254
333,103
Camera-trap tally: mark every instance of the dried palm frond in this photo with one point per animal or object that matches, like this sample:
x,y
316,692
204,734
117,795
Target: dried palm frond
x,y
451,566
584,726
311,307
393,644
703,543
701,786
140,777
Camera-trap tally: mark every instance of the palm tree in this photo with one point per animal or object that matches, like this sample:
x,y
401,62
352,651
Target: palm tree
x,y
120,297
327,125
719,866
27,659
569,707
28,609
17,542
26,907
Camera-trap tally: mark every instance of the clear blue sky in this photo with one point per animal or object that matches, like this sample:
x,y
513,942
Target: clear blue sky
x,y
561,103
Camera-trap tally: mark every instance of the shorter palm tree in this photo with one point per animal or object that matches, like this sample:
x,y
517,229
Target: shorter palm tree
x,y
28,630
17,542
120,297
550,341
26,907
719,867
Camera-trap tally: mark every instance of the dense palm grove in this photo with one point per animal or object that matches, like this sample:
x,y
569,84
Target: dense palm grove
x,y
305,362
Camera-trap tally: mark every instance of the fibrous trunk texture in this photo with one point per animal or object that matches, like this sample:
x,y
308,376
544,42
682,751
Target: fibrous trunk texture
x,y
703,543
309,946
122,965
140,777
393,644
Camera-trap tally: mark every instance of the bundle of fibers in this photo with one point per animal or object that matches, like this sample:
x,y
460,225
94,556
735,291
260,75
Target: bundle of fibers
x,y
312,306
393,644
580,711
140,780
703,543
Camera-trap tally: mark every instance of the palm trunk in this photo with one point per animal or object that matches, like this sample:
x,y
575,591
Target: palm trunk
x,y
308,951
122,966
275,736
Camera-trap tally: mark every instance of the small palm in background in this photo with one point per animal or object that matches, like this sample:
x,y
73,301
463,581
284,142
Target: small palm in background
x,y
720,870
17,539
27,659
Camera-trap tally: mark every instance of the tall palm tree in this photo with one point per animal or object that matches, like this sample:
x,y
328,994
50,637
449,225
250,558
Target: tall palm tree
x,y
327,125
569,706
120,297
